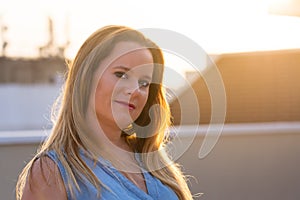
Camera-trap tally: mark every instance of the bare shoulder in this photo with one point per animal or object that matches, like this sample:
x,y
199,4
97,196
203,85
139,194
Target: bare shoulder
x,y
44,182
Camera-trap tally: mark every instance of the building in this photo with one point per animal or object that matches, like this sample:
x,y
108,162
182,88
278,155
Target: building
x,y
31,71
259,86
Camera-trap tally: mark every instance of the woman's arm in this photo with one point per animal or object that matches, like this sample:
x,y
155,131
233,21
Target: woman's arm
x,y
45,182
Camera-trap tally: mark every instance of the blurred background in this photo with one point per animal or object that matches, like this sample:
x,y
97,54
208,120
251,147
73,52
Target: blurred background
x,y
254,44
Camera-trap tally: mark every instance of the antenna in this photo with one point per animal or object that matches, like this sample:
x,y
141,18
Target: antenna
x,y
47,50
4,29
51,49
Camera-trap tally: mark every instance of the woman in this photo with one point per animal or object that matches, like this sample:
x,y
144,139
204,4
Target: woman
x,y
108,139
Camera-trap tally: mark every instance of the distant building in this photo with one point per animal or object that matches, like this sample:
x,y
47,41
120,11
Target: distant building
x,y
260,87
31,71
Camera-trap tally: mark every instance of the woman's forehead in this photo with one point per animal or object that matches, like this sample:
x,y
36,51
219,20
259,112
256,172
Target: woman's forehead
x,y
130,54
129,48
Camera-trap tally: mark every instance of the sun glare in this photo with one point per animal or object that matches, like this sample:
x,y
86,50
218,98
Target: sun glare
x,y
216,25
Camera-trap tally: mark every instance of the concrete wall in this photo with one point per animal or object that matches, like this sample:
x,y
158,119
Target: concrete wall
x,y
26,107
256,163
246,166
13,159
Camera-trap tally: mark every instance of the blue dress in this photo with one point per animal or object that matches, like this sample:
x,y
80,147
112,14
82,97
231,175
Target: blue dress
x,y
118,186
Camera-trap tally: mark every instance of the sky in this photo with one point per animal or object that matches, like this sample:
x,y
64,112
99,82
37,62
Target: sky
x,y
218,26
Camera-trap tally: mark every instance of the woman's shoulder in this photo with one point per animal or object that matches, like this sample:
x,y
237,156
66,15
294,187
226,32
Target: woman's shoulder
x,y
44,181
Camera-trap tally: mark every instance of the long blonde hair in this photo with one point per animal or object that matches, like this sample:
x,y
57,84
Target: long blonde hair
x,y
67,135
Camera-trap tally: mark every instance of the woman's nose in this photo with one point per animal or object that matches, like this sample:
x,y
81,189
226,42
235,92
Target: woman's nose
x,y
131,87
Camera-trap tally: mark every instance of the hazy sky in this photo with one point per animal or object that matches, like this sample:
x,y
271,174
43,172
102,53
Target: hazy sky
x,y
218,26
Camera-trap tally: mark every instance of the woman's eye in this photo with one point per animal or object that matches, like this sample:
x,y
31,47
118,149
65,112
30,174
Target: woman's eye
x,y
122,75
144,83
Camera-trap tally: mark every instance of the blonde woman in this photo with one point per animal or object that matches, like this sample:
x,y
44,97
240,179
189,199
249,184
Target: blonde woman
x,y
109,134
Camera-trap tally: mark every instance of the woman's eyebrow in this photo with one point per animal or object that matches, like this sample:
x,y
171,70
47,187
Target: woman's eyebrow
x,y
128,69
122,67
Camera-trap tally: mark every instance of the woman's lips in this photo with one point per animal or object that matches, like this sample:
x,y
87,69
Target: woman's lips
x,y
131,106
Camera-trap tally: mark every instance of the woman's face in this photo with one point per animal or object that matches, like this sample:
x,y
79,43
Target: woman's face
x,y
123,85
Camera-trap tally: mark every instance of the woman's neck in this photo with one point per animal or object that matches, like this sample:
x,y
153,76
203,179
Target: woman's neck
x,y
115,136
